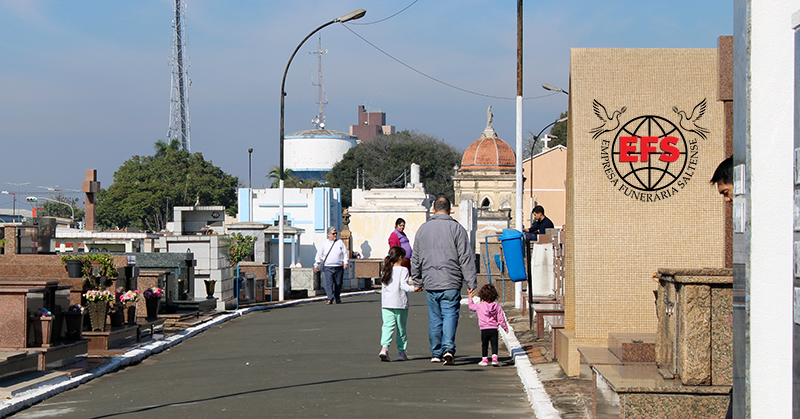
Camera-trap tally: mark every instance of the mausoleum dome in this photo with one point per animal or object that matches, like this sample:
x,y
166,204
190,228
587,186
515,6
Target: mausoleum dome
x,y
489,153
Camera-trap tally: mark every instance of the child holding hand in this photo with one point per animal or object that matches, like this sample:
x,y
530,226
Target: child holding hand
x,y
490,316
394,303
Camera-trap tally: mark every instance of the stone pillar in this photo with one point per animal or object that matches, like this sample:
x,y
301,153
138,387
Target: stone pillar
x,y
90,187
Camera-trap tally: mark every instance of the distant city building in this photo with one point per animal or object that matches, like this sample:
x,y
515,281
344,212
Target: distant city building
x,y
311,154
370,125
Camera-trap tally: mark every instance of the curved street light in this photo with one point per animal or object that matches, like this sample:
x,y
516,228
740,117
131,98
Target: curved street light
x,y
14,210
358,14
552,88
536,138
35,199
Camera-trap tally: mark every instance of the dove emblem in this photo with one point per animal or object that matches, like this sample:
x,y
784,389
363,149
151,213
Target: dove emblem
x,y
689,123
610,123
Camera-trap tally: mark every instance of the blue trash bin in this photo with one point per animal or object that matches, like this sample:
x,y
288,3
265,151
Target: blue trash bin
x,y
513,244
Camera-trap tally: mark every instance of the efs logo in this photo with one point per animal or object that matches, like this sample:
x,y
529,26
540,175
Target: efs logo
x,y
649,158
667,152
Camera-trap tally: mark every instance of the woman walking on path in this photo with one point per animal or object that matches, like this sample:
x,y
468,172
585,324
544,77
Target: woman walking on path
x,y
490,315
394,303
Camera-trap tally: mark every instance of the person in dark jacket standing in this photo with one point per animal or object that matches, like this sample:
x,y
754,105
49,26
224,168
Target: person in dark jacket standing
x,y
443,260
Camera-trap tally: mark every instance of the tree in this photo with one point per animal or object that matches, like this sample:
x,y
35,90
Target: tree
x,y
54,209
241,247
289,181
560,130
145,189
386,159
162,146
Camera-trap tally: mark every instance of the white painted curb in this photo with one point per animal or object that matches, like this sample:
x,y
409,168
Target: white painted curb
x,y
540,400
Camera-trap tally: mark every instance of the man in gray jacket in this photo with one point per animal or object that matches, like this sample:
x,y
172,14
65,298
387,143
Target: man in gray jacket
x,y
443,259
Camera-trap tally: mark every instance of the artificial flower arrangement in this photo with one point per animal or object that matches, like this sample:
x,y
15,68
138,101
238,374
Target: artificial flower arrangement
x,y
130,296
43,312
96,295
153,292
75,308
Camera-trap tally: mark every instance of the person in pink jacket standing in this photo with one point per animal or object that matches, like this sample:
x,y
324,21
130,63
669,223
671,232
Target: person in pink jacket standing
x,y
490,316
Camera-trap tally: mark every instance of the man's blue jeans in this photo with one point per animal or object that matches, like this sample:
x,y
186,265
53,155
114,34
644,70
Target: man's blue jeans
x,y
443,309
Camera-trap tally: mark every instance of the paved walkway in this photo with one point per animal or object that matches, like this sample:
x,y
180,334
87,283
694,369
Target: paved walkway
x,y
305,360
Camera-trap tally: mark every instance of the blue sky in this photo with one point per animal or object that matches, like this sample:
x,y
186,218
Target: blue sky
x,y
86,84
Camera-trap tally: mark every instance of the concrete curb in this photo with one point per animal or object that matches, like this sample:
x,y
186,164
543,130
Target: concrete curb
x,y
540,400
133,356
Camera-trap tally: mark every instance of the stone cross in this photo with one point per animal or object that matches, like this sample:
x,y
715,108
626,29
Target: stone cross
x,y
90,187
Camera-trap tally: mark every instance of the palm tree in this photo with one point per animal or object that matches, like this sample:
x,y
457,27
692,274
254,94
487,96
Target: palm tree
x,y
288,180
161,147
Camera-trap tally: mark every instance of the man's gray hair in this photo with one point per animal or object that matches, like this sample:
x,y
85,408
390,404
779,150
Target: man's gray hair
x,y
332,229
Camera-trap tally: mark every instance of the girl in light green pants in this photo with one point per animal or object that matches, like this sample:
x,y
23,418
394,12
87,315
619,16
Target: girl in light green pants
x,y
394,303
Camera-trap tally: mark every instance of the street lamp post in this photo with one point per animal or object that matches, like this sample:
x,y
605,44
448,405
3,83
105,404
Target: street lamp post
x,y
552,88
535,139
358,14
34,199
518,162
14,210
250,183
250,168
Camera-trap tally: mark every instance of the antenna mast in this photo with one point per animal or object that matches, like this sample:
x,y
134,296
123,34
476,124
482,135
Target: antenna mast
x,y
179,96
319,120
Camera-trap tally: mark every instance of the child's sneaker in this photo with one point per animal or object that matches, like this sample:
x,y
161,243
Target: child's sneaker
x,y
401,356
494,361
384,354
435,360
484,362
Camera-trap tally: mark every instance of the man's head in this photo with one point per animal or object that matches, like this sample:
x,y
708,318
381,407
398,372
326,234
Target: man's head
x,y
538,213
441,205
723,177
333,233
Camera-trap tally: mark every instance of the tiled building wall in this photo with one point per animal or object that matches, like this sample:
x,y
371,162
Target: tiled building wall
x,y
616,242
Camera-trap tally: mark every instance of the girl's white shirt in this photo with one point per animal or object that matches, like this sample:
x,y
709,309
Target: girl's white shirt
x,y
395,294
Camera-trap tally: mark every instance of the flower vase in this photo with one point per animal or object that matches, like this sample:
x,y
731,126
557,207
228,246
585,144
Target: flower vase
x,y
130,312
42,326
74,268
74,325
117,318
152,308
98,311
210,288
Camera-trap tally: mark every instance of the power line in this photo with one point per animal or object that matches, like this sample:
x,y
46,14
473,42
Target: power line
x,y
440,81
386,18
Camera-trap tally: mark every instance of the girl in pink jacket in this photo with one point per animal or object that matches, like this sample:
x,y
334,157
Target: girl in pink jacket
x,y
490,316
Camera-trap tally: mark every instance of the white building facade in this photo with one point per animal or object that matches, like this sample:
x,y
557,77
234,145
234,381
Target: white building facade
x,y
311,210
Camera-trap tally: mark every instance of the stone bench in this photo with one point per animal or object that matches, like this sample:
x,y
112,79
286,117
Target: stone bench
x,y
555,321
542,310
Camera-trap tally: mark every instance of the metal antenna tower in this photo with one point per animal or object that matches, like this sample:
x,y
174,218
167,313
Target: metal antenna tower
x,y
319,120
179,97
